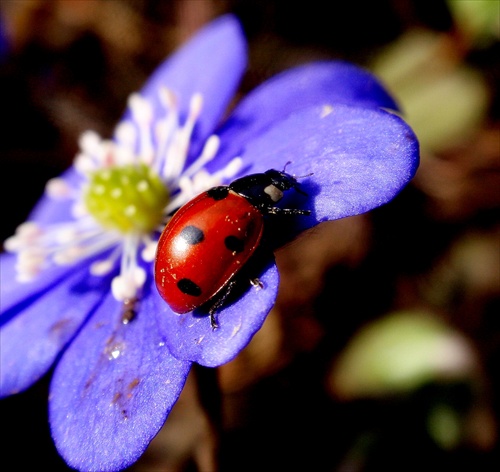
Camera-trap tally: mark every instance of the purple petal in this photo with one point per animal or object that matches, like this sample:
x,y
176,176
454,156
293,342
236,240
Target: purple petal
x,y
359,158
191,337
318,83
212,64
114,387
49,210
16,296
31,342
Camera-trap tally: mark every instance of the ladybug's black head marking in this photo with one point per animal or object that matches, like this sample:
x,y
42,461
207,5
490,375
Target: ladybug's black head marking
x,y
282,180
266,189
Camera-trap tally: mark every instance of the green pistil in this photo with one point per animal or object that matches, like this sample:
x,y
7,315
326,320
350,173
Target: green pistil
x,y
128,198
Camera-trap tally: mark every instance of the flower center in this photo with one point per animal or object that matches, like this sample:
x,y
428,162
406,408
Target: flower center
x,y
128,198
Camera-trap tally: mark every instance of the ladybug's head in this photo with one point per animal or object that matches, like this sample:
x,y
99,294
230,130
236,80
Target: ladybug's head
x,y
282,180
264,189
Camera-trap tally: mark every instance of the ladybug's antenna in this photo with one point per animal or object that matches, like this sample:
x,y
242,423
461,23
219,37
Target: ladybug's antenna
x,y
296,176
303,176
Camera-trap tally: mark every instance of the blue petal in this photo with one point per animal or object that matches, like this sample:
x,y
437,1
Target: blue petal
x,y
32,341
114,387
191,337
212,64
16,296
47,211
312,84
359,158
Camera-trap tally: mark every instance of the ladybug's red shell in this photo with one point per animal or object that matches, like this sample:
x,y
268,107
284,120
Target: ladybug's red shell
x,y
203,246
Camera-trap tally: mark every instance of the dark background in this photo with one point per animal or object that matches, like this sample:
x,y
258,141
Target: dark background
x,y
70,66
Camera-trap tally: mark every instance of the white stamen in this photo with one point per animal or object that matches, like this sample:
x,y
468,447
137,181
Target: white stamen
x,y
166,154
140,108
67,235
102,267
168,99
123,156
165,130
31,255
186,131
149,251
26,235
69,255
12,244
126,286
29,229
107,156
90,143
58,188
126,134
79,210
186,192
131,279
209,151
178,150
30,263
28,272
176,202
143,112
231,169
195,106
84,164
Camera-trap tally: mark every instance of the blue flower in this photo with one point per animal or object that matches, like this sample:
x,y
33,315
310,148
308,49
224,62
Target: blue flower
x,y
77,280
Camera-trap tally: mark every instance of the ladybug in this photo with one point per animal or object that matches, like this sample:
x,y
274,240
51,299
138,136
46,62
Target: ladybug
x,y
210,238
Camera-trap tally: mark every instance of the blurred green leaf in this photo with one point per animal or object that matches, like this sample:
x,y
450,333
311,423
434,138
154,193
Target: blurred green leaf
x,y
442,99
399,353
445,426
479,19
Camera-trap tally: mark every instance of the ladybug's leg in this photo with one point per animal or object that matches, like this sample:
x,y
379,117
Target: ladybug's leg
x,y
257,283
285,211
219,302
213,323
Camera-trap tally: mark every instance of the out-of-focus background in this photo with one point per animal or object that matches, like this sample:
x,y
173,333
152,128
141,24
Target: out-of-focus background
x,y
383,350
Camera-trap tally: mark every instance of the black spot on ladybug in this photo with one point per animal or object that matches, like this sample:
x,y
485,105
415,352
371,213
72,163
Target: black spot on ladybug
x,y
192,235
188,287
234,244
218,193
